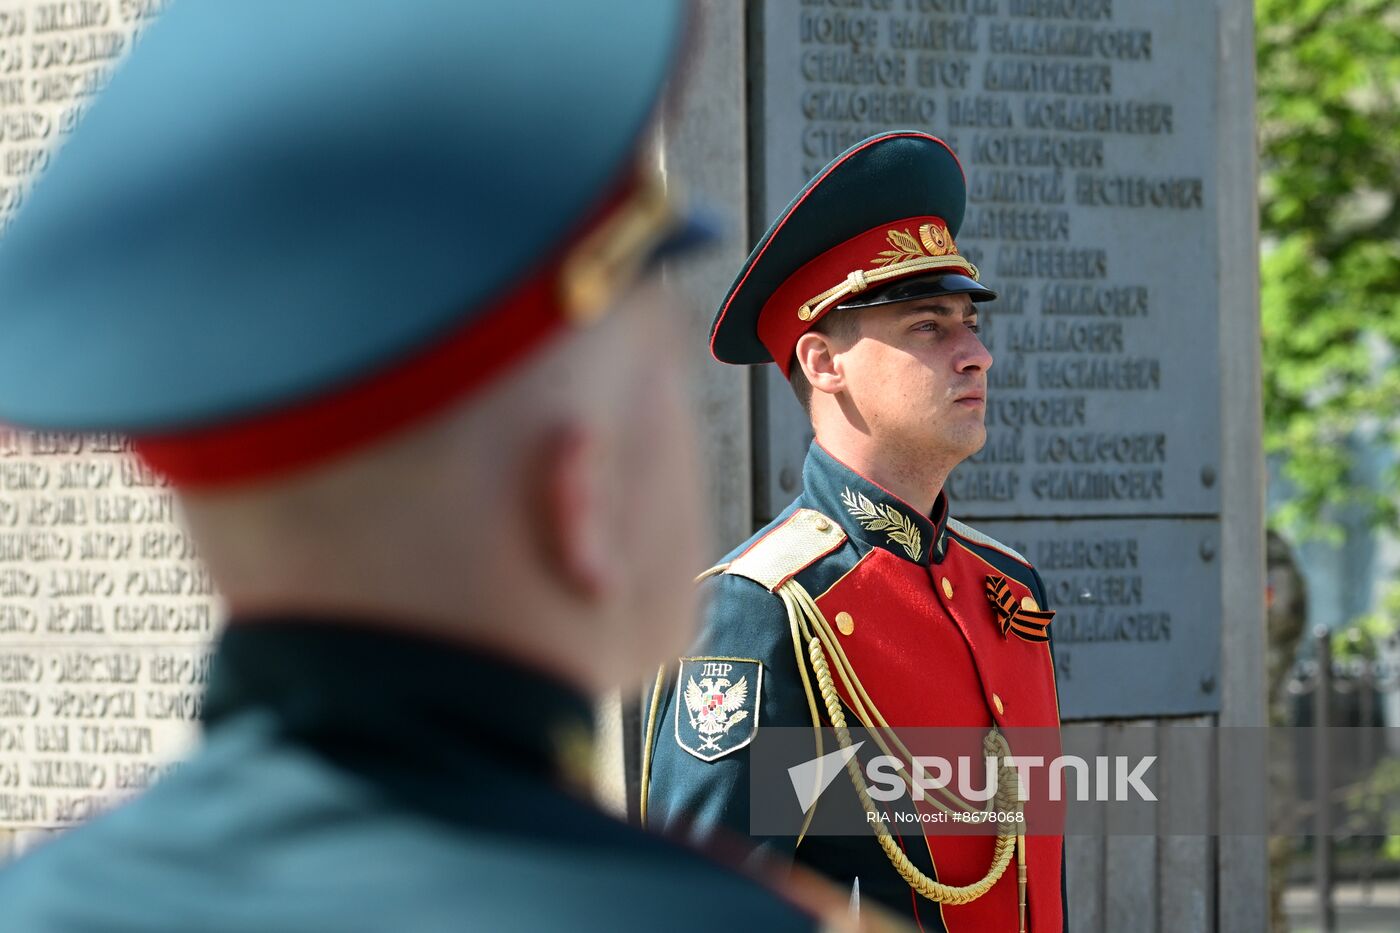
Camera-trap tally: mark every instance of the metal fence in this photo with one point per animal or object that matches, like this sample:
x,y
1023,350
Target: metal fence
x,y
1338,692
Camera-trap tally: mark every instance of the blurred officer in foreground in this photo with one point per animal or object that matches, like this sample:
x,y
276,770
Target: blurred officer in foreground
x,y
864,602
367,282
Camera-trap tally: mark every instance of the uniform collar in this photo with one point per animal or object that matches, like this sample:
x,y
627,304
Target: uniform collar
x,y
871,513
350,688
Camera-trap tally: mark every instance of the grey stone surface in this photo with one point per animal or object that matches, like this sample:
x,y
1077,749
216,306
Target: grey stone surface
x,y
105,613
1085,849
1242,862
26,839
1161,298
1087,134
105,622
706,151
1135,629
1186,896
1131,881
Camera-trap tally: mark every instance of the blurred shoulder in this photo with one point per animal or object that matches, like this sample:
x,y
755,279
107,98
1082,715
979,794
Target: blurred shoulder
x,y
258,833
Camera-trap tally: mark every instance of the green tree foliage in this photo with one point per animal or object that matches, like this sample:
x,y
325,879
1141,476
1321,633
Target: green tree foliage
x,y
1329,146
1329,131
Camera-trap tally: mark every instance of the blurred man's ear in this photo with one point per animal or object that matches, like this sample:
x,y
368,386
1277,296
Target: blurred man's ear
x,y
572,524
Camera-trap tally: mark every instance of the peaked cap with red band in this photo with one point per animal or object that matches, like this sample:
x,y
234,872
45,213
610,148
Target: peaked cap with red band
x,y
873,227
252,269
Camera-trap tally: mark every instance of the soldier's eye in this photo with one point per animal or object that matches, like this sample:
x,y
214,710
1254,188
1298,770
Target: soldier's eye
x,y
974,327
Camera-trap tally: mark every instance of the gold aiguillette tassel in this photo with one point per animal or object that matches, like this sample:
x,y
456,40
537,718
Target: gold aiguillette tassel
x,y
1021,875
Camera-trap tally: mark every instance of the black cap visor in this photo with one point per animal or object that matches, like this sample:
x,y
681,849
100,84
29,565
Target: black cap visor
x,y
923,286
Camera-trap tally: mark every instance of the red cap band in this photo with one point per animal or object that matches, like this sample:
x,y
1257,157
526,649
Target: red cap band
x,y
879,252
450,367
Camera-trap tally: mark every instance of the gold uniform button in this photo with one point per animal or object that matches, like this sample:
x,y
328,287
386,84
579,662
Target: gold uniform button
x,y
1028,603
947,588
823,525
845,623
996,701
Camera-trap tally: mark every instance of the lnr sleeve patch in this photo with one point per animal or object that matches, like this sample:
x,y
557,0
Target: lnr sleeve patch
x,y
717,705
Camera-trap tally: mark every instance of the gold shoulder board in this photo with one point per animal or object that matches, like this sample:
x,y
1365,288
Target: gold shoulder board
x,y
977,537
778,556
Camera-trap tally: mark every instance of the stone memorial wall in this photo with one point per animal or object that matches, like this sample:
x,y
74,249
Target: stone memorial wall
x,y
1087,130
54,59
1107,150
1134,602
105,613
105,618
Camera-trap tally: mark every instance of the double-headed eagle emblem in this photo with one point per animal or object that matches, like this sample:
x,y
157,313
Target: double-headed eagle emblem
x,y
719,694
715,710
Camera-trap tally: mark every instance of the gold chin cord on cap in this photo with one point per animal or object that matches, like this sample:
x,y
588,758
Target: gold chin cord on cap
x,y
861,279
612,256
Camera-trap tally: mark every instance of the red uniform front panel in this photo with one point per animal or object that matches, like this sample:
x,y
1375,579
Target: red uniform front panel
x,y
926,646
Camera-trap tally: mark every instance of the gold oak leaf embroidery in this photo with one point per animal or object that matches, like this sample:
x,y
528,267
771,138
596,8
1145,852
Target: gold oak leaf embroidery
x,y
897,526
904,247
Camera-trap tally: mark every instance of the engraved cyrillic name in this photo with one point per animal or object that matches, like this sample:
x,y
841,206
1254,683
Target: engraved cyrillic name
x,y
1088,211
105,621
55,57
106,615
1137,593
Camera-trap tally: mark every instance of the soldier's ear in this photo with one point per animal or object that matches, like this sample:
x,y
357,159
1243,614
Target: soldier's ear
x,y
817,356
572,513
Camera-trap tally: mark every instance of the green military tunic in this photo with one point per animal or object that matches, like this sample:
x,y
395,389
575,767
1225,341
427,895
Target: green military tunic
x,y
355,780
909,600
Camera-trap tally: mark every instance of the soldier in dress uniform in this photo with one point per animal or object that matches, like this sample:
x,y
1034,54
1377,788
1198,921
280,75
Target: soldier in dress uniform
x,y
865,602
367,282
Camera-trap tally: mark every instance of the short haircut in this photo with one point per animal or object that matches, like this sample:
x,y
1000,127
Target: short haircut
x,y
838,323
